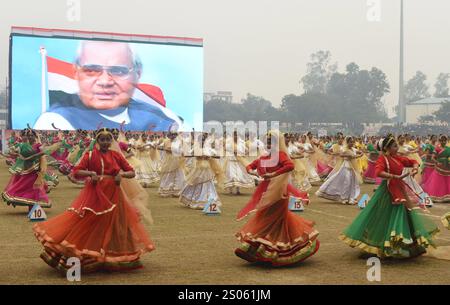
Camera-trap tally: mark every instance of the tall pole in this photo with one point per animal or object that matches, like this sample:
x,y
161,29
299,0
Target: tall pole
x,y
4,141
43,53
401,91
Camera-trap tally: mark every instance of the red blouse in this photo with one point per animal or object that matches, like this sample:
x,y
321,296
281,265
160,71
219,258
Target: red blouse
x,y
284,165
112,163
394,165
123,146
438,149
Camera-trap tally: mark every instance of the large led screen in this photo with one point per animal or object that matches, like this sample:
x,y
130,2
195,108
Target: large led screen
x,y
70,83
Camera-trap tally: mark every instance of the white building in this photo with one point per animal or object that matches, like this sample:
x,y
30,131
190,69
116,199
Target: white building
x,y
426,106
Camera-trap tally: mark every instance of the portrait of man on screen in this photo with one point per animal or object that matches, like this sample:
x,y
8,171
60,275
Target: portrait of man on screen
x,y
107,76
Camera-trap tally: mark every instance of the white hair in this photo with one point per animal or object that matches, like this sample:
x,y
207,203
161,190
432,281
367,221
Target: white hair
x,y
137,63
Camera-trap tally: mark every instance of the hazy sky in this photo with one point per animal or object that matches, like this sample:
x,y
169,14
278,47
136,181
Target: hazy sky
x,y
262,46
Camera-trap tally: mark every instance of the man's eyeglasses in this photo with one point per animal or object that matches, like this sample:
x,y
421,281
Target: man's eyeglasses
x,y
114,71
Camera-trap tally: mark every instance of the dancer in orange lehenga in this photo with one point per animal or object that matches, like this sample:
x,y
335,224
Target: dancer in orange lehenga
x,y
274,234
102,227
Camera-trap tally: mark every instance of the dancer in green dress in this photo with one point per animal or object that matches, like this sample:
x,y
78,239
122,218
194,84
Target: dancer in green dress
x,y
392,224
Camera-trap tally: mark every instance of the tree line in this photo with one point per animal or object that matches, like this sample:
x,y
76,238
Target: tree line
x,y
353,96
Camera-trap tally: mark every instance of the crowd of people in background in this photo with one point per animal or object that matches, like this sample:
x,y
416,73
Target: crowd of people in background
x,y
359,129
415,129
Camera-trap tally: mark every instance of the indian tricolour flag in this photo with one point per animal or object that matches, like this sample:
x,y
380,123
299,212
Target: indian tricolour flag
x,y
58,75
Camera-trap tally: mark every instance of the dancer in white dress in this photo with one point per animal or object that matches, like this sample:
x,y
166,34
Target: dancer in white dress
x,y
200,188
343,182
172,174
335,151
155,158
236,175
308,149
408,151
299,176
146,174
189,139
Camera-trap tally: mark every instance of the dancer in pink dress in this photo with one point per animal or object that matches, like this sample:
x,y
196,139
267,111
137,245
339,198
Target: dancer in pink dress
x,y
428,164
438,184
27,185
369,175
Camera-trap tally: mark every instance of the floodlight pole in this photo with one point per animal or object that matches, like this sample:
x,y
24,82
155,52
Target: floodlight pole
x,y
401,91
43,53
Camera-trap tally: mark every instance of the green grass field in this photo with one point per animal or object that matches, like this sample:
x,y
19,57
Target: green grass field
x,y
195,249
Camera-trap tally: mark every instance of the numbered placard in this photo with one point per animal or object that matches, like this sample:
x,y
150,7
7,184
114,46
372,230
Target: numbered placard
x,y
211,208
362,203
37,213
296,204
426,200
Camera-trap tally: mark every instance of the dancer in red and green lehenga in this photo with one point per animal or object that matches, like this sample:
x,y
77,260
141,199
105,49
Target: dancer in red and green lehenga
x,y
27,185
392,224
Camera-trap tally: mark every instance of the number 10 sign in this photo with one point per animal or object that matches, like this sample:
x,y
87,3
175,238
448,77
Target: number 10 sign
x,y
37,213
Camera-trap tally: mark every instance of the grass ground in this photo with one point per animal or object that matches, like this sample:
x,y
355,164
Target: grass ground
x,y
195,249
